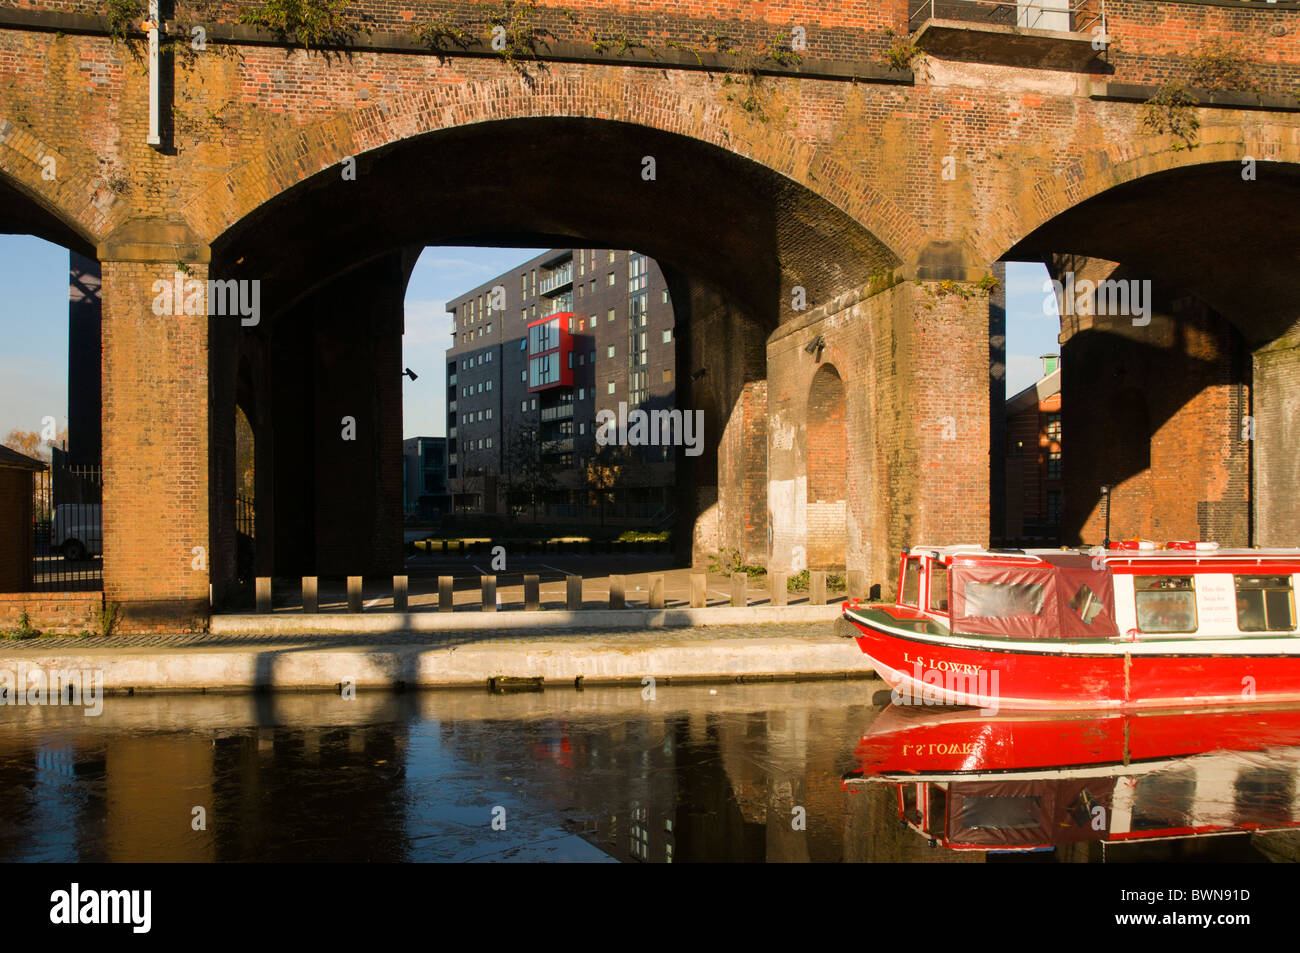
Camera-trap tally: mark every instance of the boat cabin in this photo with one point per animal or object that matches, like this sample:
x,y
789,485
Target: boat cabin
x,y
1129,591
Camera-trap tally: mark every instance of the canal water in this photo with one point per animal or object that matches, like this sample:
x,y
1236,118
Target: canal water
x,y
684,773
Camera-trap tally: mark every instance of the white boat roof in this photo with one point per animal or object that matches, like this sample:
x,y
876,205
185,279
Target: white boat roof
x,y
1234,554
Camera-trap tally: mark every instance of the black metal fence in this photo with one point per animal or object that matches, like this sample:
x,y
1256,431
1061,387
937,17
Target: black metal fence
x,y
68,528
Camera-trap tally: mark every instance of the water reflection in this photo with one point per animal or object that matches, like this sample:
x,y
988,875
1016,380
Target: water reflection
x,y
739,772
1078,782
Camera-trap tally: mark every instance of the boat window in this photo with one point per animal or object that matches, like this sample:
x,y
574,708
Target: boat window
x,y
1003,600
1001,813
938,587
912,583
1165,603
1265,604
1086,604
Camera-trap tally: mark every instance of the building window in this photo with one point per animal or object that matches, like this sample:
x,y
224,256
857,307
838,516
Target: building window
x,y
489,413
523,286
582,393
1054,428
611,387
668,335
489,443
581,289
609,351
592,356
570,360
488,357
480,387
609,315
523,376
523,406
532,287
582,324
533,404
582,429
489,385
480,360
609,280
582,261
534,311
668,376
665,301
582,359
1054,466
611,257
1053,507
523,314
489,327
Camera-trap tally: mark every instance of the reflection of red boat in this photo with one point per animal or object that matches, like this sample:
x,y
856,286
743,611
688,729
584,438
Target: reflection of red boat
x,y
1056,630
1025,781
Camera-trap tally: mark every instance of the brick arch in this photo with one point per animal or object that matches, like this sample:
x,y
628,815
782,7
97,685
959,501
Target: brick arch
x,y
826,462
691,110
1059,190
57,211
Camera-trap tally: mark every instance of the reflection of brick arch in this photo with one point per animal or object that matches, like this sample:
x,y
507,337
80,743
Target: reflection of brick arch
x,y
826,463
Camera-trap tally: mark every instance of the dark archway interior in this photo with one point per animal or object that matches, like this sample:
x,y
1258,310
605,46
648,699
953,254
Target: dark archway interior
x,y
709,213
733,237
24,214
1195,234
1198,229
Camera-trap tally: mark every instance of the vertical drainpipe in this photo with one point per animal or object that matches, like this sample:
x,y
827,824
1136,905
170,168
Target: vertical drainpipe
x,y
155,17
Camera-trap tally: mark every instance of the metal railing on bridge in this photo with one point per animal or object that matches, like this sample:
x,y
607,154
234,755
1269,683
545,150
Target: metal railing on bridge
x,y
1067,16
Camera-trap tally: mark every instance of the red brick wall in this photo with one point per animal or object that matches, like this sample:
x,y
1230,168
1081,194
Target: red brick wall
x,y
1157,412
155,373
55,613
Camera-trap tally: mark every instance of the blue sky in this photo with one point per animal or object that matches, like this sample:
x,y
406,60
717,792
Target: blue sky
x,y
34,328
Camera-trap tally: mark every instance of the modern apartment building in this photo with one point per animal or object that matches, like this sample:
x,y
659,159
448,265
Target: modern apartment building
x,y
424,477
537,352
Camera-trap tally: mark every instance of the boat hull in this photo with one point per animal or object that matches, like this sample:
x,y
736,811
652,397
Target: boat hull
x,y
927,670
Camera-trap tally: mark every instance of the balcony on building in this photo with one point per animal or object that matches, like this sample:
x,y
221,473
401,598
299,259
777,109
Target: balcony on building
x,y
560,275
1044,34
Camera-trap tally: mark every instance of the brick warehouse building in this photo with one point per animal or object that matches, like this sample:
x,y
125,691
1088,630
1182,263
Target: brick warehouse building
x,y
1034,463
518,416
885,195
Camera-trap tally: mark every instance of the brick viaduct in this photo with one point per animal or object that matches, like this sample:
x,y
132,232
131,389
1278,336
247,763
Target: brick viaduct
x,y
839,431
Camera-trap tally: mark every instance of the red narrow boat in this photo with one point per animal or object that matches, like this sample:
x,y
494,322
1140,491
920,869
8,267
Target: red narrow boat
x,y
1027,781
1133,626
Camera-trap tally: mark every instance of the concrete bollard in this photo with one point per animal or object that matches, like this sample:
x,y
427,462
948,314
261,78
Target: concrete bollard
x,y
573,593
817,587
657,591
779,583
310,594
488,584
532,592
699,589
616,592
263,587
354,593
399,593
446,593
856,584
739,589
